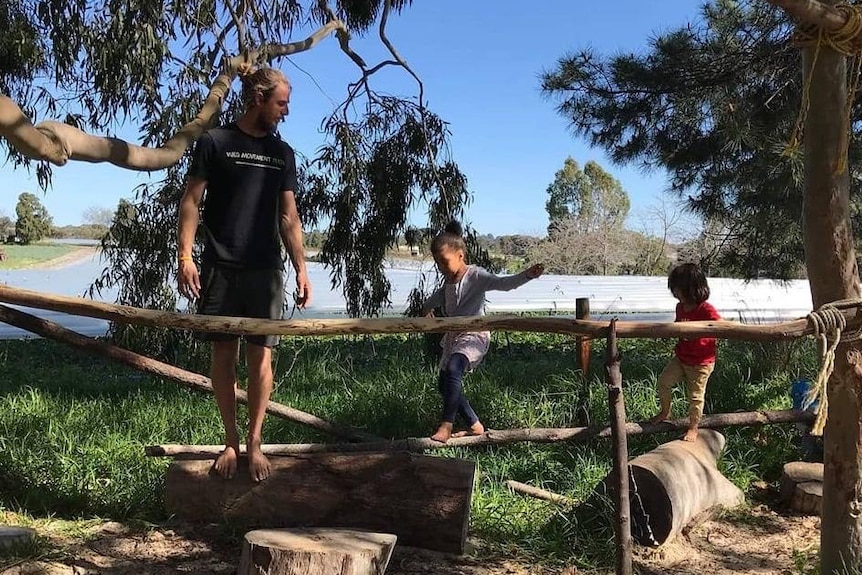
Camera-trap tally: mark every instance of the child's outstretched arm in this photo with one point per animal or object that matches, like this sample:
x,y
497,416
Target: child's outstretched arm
x,y
506,283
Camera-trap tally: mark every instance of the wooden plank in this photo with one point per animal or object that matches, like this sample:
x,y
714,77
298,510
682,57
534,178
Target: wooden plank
x,y
423,500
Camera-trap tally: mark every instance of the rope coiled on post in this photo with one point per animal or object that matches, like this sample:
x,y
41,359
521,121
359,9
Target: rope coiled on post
x,y
830,329
846,40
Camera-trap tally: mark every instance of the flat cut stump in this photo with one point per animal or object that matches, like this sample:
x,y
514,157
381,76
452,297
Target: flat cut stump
x,y
315,552
11,536
802,487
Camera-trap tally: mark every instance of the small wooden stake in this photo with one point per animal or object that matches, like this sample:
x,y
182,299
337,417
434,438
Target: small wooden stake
x,y
582,311
614,380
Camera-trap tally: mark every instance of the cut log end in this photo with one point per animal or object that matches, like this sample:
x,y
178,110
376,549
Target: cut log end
x,y
802,487
315,552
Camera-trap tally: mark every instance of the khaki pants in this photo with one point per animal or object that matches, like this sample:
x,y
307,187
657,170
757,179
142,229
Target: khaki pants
x,y
695,377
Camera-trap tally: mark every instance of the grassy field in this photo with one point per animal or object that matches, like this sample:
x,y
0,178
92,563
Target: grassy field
x,y
17,256
72,429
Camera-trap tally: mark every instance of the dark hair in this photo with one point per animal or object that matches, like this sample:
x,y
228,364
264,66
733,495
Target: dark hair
x,y
450,237
690,281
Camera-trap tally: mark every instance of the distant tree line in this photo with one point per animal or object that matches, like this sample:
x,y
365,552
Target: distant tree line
x,y
33,223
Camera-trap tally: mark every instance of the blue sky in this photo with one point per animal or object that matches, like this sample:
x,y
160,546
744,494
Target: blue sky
x,y
480,62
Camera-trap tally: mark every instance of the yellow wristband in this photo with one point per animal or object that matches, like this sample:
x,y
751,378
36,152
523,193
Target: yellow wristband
x,y
185,258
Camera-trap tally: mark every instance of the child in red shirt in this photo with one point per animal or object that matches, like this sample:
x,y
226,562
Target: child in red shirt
x,y
694,359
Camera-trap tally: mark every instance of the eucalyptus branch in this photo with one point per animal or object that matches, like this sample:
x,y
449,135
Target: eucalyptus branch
x,y
387,6
432,160
58,143
241,35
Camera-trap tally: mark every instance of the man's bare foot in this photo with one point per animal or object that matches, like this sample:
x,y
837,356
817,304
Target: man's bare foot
x,y
659,418
475,429
225,463
444,432
258,465
690,434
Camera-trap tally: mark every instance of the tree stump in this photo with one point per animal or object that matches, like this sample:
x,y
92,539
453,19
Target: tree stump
x,y
315,552
802,486
12,536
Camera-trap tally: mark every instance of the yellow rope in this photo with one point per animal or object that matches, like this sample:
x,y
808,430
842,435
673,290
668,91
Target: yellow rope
x,y
847,41
828,323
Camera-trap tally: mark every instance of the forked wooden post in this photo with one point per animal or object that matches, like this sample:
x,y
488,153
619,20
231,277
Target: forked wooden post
x,y
614,380
582,311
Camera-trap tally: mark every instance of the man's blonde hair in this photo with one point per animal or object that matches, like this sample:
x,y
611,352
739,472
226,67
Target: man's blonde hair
x,y
262,81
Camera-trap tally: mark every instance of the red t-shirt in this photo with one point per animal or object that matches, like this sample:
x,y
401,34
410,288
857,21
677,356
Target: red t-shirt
x,y
701,350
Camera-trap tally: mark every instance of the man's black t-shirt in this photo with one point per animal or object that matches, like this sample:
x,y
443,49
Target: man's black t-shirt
x,y
245,177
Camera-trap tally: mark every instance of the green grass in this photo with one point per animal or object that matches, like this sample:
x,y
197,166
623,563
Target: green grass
x,y
72,429
17,256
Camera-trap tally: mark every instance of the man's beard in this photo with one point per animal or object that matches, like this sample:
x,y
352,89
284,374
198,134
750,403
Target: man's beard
x,y
268,127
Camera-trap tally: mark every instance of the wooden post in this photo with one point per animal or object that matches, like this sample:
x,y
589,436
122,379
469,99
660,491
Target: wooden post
x,y
614,380
582,311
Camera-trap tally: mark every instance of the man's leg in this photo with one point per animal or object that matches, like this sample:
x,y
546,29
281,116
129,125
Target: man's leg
x,y
223,372
263,297
259,361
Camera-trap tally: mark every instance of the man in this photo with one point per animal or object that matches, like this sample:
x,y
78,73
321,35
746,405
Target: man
x,y
249,175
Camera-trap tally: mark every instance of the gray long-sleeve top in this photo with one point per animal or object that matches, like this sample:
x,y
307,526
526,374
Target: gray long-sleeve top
x,y
467,298
469,292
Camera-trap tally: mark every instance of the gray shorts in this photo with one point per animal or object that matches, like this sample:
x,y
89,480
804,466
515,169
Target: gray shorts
x,y
238,292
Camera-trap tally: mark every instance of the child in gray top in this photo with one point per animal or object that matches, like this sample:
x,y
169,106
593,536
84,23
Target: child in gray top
x,y
463,294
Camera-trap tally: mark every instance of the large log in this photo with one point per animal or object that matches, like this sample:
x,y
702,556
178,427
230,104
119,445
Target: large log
x,y
678,480
55,331
496,437
246,326
423,500
315,552
671,485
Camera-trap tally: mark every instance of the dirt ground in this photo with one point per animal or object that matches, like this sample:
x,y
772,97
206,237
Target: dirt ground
x,y
755,541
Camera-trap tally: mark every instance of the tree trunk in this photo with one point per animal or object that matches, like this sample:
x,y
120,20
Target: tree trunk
x,y
423,500
832,271
315,552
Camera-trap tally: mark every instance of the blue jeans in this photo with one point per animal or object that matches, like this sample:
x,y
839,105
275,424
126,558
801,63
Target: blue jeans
x,y
449,384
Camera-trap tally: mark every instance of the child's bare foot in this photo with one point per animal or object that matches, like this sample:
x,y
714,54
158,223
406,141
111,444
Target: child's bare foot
x,y
444,432
258,464
475,429
225,464
659,418
690,434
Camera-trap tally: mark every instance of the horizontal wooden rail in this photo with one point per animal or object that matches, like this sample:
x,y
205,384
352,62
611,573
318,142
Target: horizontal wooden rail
x,y
494,437
310,327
